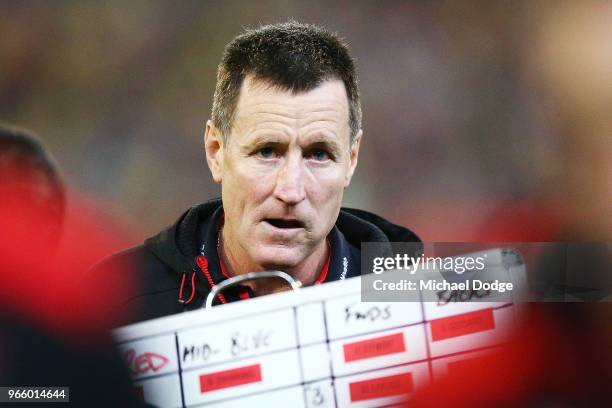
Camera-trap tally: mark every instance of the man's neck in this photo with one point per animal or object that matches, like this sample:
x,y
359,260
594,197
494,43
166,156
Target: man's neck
x,y
237,262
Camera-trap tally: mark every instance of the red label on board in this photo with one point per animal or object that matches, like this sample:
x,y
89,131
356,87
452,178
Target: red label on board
x,y
463,324
230,378
466,365
391,385
380,346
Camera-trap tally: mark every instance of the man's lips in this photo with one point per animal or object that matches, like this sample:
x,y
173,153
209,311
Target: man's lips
x,y
284,224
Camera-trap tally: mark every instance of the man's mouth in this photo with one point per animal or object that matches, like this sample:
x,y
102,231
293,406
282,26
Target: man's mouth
x,y
285,224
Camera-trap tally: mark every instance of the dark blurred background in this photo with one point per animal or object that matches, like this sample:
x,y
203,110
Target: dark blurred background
x,y
461,142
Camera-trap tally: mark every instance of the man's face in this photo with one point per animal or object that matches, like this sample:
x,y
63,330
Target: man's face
x,y
283,170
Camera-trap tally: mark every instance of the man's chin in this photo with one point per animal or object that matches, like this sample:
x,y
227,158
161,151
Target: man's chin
x,y
282,259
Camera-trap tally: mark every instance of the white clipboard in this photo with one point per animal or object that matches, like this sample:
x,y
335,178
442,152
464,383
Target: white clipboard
x,y
319,346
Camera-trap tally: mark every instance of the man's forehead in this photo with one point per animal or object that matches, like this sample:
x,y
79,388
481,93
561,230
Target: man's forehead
x,y
258,96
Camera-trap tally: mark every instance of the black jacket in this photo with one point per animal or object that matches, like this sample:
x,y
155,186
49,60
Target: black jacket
x,y
176,268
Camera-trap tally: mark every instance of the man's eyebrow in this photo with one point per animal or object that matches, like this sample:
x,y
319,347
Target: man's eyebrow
x,y
322,140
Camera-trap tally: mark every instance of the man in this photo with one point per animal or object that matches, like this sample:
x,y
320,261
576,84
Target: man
x,y
283,142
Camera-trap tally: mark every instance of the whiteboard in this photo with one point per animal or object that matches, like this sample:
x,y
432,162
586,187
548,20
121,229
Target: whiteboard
x,y
320,346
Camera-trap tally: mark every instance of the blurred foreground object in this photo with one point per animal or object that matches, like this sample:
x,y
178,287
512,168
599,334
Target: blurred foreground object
x,y
562,355
571,59
44,251
32,189
53,326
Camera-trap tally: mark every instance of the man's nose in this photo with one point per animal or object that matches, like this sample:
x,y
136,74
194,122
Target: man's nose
x,y
290,181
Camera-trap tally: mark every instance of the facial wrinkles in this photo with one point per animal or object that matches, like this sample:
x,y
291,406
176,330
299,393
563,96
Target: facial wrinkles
x,y
310,139
296,113
318,134
301,121
266,181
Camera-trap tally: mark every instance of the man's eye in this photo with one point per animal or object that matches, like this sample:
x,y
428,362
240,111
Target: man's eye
x,y
266,153
319,155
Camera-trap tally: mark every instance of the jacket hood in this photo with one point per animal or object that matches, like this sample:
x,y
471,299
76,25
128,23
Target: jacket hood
x,y
178,245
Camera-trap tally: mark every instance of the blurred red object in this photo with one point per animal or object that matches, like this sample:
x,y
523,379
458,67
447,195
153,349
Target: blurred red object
x,y
562,356
42,270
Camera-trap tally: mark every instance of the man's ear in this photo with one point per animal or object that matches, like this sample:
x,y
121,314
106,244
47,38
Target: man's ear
x,y
213,145
354,158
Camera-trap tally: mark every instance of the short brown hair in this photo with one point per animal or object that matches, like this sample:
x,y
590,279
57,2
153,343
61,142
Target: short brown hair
x,y
292,56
